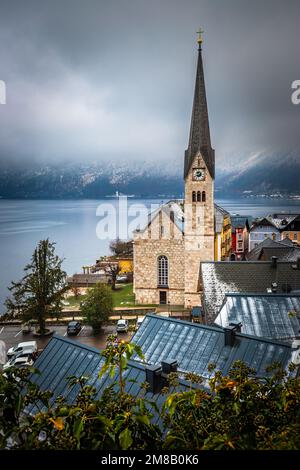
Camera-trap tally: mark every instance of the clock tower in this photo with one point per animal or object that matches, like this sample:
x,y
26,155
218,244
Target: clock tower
x,y
199,173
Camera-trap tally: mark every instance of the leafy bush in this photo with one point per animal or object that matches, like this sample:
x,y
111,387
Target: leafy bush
x,y
236,411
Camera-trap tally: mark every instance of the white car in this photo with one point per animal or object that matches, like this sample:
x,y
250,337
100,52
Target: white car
x,y
21,360
139,322
122,326
27,346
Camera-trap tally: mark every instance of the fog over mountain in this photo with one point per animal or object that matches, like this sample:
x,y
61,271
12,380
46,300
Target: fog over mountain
x,y
260,174
112,81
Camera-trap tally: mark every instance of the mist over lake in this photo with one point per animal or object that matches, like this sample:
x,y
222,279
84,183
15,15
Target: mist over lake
x,y
72,225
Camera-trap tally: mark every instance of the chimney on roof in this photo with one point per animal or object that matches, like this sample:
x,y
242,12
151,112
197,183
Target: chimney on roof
x,y
168,366
157,375
230,332
274,260
154,379
274,287
238,326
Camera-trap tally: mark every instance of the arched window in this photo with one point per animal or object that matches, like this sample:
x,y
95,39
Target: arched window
x,y
203,196
194,196
198,196
163,271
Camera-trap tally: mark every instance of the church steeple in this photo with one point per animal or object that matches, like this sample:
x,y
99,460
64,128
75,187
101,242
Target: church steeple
x,y
199,140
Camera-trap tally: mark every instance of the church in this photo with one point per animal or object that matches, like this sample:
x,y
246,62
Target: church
x,y
180,234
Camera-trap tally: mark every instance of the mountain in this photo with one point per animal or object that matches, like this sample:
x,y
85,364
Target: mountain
x,y
89,181
262,174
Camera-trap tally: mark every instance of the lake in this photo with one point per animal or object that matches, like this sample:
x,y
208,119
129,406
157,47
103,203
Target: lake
x,y
73,225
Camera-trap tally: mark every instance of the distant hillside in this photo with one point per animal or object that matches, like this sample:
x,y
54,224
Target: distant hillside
x,y
263,174
88,181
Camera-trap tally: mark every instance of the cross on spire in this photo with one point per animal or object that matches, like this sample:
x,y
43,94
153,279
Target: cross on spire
x,y
200,39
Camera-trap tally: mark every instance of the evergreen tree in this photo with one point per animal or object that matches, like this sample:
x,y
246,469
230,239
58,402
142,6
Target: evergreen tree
x,y
38,295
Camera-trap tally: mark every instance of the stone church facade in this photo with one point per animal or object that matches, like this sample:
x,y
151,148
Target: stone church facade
x,y
180,234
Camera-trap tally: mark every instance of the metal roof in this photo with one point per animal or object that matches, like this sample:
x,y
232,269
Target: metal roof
x,y
63,358
262,315
195,346
220,278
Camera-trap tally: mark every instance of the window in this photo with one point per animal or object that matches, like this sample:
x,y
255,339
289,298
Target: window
x,y
162,230
273,236
295,236
198,196
203,196
194,196
198,220
163,271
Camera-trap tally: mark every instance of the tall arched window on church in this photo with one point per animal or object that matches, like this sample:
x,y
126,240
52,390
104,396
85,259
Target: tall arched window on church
x,y
194,196
203,196
198,196
163,271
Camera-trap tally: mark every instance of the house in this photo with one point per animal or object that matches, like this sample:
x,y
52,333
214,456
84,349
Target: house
x,y
166,258
240,227
275,226
283,250
262,229
273,316
292,230
222,234
220,278
88,279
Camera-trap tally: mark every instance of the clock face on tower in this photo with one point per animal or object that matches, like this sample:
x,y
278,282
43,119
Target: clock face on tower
x,y
198,174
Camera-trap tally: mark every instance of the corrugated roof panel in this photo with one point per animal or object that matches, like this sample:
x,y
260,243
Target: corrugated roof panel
x,y
195,346
262,315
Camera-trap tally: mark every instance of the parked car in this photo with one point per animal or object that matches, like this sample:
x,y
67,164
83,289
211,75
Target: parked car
x,y
26,346
20,360
122,326
122,278
139,322
26,328
73,327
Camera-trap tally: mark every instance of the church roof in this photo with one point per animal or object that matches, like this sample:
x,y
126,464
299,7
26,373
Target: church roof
x,y
172,209
199,140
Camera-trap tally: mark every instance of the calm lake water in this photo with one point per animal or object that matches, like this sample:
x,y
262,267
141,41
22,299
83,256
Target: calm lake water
x,y
72,225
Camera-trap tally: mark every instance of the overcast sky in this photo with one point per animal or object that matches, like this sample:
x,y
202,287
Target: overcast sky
x,y
109,80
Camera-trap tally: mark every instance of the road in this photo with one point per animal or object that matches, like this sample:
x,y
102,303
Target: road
x,y
12,335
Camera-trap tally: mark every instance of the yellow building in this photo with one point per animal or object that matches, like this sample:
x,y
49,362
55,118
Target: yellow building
x,y
125,265
222,234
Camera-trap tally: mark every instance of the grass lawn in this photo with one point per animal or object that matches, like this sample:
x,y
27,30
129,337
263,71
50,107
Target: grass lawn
x,y
123,296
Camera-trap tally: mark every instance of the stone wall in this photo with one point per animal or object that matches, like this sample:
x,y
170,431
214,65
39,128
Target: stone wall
x,y
148,246
199,230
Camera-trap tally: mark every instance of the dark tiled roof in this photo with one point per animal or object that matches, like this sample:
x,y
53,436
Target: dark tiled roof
x,y
63,358
262,315
195,346
220,278
238,221
283,249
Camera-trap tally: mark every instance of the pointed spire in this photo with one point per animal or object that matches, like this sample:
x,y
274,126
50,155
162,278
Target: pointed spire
x,y
199,140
